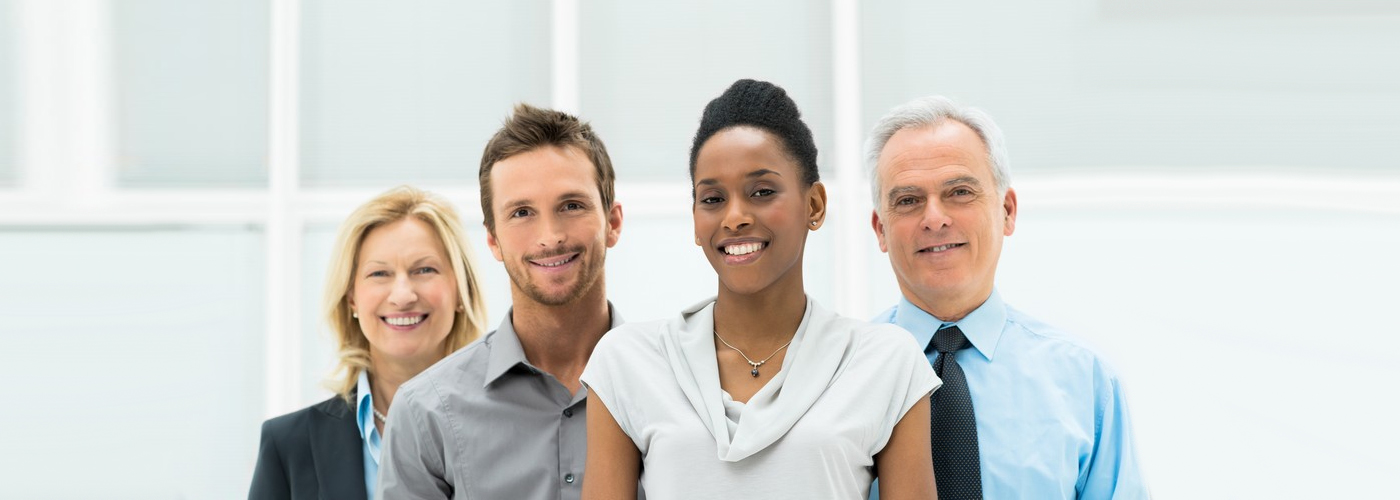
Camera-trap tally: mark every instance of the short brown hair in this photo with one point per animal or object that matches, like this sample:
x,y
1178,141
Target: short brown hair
x,y
529,128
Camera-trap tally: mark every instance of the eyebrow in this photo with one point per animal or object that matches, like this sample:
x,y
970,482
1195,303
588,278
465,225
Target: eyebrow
x,y
570,195
963,179
415,261
898,190
756,173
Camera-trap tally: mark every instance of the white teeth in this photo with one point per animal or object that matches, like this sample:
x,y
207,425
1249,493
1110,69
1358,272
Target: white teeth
x,y
941,248
743,248
557,264
407,321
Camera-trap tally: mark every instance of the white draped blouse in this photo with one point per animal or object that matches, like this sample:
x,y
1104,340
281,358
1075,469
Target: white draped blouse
x,y
811,432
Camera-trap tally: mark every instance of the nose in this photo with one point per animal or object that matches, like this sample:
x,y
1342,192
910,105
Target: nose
x,y
736,217
935,217
402,294
553,234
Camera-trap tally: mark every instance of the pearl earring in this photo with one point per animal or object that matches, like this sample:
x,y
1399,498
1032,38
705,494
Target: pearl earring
x,y
814,223
355,315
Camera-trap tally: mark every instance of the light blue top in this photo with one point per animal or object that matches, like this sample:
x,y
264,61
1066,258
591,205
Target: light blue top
x,y
364,416
1052,421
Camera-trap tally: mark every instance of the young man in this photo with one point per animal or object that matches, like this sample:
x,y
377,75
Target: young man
x,y
504,417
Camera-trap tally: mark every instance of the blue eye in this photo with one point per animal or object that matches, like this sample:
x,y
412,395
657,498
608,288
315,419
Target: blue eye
x,y
425,270
379,274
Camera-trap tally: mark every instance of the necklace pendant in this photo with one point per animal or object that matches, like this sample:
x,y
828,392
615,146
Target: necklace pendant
x,y
754,372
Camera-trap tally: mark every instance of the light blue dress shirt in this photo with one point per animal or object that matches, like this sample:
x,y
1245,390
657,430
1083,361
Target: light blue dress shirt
x,y
364,416
1051,418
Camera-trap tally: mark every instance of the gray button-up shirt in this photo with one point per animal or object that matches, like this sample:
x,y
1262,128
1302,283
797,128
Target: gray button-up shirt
x,y
485,424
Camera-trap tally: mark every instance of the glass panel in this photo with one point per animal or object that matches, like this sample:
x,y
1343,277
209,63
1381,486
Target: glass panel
x,y
318,346
409,92
9,112
1259,319
191,92
141,348
1112,84
648,68
1245,310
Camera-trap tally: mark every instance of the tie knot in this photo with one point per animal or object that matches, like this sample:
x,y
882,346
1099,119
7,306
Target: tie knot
x,y
949,339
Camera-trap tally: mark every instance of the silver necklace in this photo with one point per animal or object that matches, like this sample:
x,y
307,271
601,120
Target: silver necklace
x,y
754,364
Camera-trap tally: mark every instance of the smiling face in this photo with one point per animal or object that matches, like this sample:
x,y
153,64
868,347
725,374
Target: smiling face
x,y
551,230
752,211
940,217
404,292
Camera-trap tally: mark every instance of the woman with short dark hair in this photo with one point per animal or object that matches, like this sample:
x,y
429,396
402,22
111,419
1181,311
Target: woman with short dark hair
x,y
758,392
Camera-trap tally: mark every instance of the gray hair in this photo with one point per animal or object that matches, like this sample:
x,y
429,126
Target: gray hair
x,y
932,111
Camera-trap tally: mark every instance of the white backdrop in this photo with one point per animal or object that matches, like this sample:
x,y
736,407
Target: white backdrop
x,y
1210,195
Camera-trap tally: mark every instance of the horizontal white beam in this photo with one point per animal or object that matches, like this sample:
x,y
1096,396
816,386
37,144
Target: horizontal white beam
x,y
1379,194
135,208
1163,188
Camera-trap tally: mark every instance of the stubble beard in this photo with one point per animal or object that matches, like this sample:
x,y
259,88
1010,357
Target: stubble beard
x,y
587,276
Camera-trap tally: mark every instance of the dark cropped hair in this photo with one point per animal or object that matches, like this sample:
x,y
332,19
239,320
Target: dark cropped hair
x,y
768,108
529,128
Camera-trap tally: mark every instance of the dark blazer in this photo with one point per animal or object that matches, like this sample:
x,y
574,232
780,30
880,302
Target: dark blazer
x,y
313,453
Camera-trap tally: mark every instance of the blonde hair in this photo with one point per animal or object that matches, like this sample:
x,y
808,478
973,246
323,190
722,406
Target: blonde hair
x,y
392,206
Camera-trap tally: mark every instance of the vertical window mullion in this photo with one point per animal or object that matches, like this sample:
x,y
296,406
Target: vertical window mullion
x,y
283,227
852,234
563,55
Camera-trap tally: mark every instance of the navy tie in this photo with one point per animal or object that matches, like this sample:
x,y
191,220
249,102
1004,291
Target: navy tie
x,y
956,464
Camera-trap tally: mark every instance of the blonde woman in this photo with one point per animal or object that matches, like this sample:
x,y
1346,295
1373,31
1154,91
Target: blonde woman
x,y
401,294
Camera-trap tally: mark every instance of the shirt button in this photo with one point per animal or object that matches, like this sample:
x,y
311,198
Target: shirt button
x,y
569,478
569,412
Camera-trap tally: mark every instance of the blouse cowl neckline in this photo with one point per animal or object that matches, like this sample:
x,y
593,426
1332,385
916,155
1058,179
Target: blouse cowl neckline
x,y
815,358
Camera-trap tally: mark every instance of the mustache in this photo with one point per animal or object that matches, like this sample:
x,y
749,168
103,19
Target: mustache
x,y
555,252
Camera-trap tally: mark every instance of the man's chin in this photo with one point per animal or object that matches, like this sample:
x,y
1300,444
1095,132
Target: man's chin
x,y
557,297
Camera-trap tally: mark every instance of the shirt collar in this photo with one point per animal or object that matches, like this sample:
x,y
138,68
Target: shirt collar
x,y
364,408
506,351
982,326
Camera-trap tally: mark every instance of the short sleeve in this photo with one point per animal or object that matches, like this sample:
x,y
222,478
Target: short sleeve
x,y
909,373
604,371
412,464
1112,471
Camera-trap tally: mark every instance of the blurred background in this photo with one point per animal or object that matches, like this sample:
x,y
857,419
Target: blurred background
x,y
1210,195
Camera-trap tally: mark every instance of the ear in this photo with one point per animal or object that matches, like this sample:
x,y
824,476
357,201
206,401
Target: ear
x,y
879,230
614,223
493,244
816,205
1008,206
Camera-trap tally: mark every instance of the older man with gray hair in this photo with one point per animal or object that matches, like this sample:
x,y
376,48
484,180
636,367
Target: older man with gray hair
x,y
1025,411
